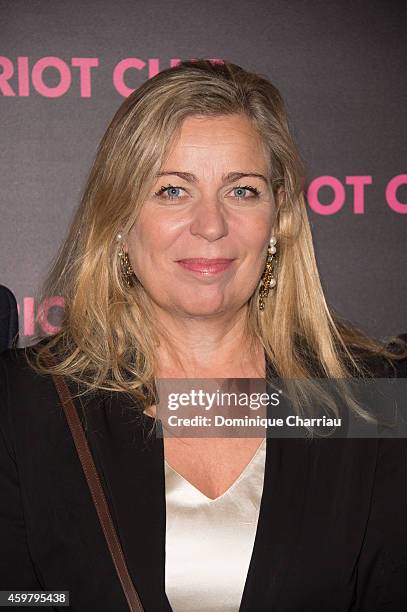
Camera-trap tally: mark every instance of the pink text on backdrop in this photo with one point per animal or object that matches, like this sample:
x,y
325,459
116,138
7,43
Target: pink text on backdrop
x,y
134,63
358,184
391,193
27,315
21,77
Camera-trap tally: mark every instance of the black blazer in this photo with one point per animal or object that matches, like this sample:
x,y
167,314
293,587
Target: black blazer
x,y
332,530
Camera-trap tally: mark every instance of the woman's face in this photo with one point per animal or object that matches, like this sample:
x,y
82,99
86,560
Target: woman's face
x,y
200,241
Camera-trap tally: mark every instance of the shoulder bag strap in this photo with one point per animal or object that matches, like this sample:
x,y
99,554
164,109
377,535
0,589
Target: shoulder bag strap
x,y
97,493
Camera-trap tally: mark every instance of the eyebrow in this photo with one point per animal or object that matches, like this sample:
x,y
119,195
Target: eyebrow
x,y
230,177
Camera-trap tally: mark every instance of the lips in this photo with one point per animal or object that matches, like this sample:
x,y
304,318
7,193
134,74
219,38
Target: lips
x,y
205,266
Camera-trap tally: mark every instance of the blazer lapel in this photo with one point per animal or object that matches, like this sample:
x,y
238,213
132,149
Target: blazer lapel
x,y
283,494
284,488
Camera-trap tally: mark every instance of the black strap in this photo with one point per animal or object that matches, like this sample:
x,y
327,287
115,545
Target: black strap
x,y
97,493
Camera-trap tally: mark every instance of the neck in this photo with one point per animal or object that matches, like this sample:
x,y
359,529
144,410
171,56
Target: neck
x,y
205,347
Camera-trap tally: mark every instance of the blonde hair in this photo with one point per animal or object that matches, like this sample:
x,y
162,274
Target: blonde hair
x,y
107,340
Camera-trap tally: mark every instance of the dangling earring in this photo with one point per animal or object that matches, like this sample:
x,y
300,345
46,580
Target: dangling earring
x,y
126,269
267,280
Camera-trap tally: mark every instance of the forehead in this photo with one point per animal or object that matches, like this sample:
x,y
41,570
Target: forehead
x,y
229,139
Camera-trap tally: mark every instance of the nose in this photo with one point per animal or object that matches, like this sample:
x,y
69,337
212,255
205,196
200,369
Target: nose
x,y
209,220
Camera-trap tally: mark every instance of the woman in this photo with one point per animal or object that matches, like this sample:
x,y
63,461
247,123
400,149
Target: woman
x,y
191,257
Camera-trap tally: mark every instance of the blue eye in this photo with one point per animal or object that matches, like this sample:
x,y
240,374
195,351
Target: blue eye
x,y
171,190
240,191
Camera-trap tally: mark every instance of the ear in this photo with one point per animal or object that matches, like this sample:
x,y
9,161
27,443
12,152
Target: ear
x,y
280,195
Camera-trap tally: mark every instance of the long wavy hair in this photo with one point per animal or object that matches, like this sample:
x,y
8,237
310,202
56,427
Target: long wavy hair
x,y
107,339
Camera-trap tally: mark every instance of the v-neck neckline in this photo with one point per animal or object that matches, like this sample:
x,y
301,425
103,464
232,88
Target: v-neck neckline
x,y
243,474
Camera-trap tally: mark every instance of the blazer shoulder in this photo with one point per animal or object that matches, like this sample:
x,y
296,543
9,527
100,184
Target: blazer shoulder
x,y
12,368
24,392
15,367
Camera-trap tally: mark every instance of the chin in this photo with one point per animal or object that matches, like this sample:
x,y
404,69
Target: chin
x,y
199,308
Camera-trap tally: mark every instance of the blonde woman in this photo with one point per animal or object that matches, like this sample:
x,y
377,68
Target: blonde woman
x,y
191,256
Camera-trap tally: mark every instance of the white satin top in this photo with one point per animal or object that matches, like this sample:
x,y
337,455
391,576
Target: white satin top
x,y
209,542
